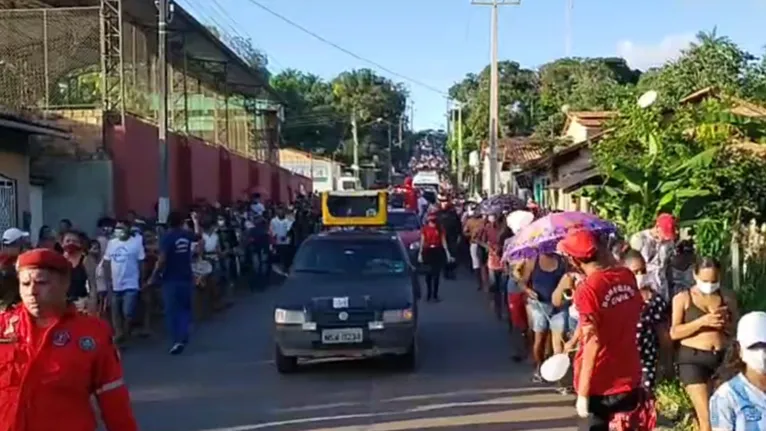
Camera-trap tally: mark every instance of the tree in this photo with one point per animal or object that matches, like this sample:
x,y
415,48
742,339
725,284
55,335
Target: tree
x,y
318,112
312,122
711,61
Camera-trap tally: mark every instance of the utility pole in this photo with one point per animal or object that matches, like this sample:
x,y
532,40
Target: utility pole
x,y
493,87
355,166
390,157
459,127
165,8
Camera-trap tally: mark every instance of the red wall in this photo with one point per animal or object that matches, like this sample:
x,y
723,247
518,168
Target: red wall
x,y
197,171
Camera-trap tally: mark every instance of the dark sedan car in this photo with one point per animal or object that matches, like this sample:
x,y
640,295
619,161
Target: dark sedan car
x,y
349,294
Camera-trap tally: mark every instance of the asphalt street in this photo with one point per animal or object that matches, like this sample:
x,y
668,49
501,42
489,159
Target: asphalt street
x,y
226,380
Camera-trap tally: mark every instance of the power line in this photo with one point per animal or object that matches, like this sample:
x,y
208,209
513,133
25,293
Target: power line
x,y
344,50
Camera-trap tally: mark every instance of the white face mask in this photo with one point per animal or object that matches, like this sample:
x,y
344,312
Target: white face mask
x,y
755,359
640,280
249,225
492,219
221,223
707,287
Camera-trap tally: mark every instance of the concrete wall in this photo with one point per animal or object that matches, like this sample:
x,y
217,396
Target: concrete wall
x,y
78,190
16,167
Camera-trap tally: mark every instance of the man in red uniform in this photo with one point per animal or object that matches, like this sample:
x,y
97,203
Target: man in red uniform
x,y
410,195
53,359
607,369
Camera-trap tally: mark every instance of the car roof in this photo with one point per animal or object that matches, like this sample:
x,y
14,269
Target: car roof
x,y
356,234
401,211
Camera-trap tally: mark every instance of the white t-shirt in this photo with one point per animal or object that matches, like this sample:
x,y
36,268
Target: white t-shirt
x,y
209,243
257,208
125,259
280,229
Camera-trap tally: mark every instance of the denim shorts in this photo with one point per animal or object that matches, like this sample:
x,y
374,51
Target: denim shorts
x,y
126,302
544,317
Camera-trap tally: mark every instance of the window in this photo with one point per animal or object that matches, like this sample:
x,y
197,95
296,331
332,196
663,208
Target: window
x,y
357,256
403,221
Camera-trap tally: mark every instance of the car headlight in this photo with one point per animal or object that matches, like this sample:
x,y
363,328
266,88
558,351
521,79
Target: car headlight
x,y
415,245
398,316
289,317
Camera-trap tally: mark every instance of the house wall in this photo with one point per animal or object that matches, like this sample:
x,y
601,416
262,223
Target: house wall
x,y
15,166
567,200
198,170
80,190
579,133
325,172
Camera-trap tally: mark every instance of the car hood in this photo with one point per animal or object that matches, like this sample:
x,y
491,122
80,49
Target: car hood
x,y
368,291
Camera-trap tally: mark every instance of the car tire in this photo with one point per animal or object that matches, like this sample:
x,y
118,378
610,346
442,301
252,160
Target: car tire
x,y
409,360
285,364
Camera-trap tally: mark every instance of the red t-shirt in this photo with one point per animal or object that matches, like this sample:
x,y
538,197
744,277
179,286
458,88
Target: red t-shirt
x,y
610,300
432,236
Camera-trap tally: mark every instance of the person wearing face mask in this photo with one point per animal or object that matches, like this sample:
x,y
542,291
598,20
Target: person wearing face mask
x,y
83,272
701,323
123,271
607,367
739,404
653,326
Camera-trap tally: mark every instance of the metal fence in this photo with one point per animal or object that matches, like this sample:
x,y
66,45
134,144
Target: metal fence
x,y
59,58
50,58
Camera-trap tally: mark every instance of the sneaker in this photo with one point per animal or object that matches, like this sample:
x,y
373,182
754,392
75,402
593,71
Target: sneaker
x,y
564,391
537,378
177,349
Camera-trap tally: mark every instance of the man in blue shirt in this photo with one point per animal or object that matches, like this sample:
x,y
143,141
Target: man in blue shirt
x,y
175,269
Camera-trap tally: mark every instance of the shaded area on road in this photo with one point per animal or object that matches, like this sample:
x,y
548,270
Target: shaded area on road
x,y
227,381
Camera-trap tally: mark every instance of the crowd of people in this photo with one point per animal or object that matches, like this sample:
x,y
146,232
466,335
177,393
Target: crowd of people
x,y
631,312
70,301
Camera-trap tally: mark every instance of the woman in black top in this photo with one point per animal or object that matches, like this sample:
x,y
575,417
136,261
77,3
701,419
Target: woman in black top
x,y
83,273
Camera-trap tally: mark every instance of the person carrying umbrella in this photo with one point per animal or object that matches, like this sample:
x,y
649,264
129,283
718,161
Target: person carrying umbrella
x,y
607,367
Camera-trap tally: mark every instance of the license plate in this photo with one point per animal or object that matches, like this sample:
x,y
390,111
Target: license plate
x,y
340,302
342,336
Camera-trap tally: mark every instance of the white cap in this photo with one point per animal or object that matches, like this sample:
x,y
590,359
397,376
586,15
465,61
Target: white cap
x,y
13,234
751,329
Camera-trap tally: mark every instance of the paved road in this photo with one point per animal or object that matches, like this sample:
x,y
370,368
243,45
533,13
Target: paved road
x,y
227,382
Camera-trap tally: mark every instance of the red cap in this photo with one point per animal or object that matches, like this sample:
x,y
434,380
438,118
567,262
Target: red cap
x,y
43,258
666,226
580,244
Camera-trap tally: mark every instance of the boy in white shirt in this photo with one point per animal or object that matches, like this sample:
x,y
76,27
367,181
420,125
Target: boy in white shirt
x,y
122,270
279,230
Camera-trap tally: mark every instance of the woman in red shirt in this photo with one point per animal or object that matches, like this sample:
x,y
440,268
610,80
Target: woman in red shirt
x,y
433,253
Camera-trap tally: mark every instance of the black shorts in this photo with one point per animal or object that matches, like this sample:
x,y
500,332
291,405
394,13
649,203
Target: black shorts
x,y
697,366
603,407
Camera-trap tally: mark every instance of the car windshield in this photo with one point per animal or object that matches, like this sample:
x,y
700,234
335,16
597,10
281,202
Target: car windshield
x,y
403,221
350,256
352,206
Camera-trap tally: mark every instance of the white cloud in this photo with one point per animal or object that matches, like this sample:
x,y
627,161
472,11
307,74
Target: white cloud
x,y
643,56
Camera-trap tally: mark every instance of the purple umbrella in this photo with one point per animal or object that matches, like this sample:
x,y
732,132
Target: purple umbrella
x,y
543,235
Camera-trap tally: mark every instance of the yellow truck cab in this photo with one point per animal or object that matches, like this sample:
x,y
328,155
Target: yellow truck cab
x,y
364,208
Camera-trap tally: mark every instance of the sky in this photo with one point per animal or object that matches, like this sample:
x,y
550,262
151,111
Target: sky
x,y
437,42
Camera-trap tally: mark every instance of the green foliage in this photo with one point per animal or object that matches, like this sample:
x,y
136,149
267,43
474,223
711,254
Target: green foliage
x,y
684,158
674,405
318,113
